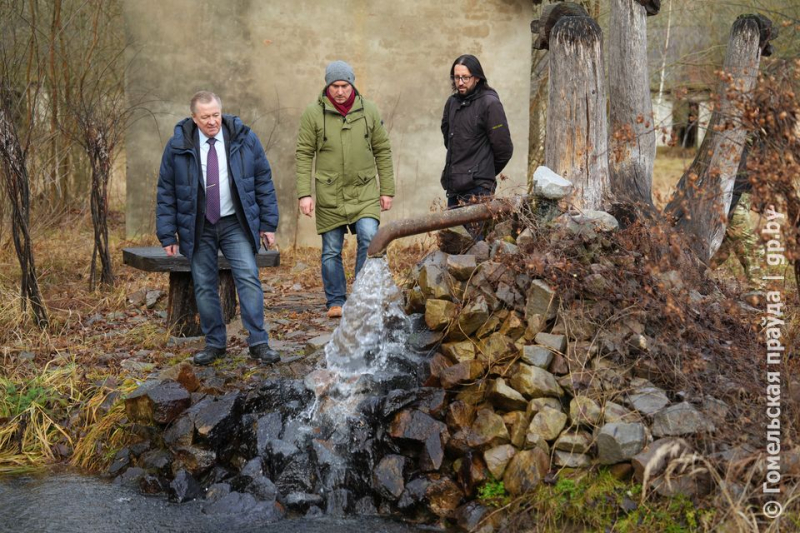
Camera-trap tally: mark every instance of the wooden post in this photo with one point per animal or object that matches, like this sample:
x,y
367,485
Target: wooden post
x,y
699,207
632,135
182,315
576,143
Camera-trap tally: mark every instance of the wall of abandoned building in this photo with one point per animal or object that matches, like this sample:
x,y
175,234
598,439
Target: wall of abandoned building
x,y
267,60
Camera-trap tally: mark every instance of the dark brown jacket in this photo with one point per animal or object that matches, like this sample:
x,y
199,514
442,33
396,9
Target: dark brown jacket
x,y
477,139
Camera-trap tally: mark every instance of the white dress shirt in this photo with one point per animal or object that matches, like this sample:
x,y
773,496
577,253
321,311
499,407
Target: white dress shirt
x,y
225,200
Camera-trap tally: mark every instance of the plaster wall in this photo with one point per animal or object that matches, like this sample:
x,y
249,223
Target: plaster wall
x,y
267,59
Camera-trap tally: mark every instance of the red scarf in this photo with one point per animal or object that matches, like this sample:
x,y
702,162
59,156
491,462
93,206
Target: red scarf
x,y
344,108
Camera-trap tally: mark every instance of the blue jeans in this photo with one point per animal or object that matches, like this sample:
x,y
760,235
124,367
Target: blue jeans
x,y
332,269
229,236
474,195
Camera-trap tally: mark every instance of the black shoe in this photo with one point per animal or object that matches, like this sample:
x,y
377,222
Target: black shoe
x,y
208,355
264,353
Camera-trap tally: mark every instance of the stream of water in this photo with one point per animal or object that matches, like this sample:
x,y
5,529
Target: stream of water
x,y
68,503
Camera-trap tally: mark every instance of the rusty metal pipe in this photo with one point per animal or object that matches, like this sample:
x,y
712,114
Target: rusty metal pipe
x,y
444,219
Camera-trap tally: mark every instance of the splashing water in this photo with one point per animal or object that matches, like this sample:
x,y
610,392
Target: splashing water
x,y
374,328
368,352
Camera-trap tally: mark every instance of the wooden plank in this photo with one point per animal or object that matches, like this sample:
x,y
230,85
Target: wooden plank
x,y
154,259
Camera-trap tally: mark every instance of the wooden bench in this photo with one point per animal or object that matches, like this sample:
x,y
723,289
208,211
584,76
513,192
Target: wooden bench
x,y
182,315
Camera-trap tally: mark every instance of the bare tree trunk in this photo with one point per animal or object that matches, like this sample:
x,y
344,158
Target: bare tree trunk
x,y
700,205
632,139
56,197
17,188
577,133
99,153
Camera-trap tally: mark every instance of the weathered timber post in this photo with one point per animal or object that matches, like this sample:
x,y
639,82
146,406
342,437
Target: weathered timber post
x,y
577,133
551,12
632,135
700,205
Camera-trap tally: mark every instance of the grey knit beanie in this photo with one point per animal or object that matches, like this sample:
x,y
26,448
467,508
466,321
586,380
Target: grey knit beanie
x,y
339,71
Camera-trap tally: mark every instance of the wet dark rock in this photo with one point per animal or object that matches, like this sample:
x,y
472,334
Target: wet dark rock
x,y
432,401
469,515
365,507
153,484
414,493
122,460
302,501
156,461
314,512
263,489
130,477
388,477
184,487
398,399
296,432
288,396
269,428
425,339
432,455
298,475
473,472
280,454
139,448
157,401
415,426
215,420
216,475
217,491
331,467
253,468
245,506
194,459
339,503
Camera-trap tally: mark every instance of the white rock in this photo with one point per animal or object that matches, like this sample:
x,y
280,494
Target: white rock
x,y
548,184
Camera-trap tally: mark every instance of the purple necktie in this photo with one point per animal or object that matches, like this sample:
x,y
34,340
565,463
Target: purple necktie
x,y
212,184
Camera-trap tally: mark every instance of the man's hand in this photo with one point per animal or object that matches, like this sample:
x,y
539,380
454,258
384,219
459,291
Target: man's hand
x,y
386,203
268,238
171,250
306,205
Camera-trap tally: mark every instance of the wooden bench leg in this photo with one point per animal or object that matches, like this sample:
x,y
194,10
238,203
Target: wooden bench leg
x,y
182,314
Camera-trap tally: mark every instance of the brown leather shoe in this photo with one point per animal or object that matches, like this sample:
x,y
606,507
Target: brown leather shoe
x,y
335,311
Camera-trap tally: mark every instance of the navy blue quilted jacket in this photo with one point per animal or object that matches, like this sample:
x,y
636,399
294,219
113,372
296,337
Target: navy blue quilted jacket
x,y
178,211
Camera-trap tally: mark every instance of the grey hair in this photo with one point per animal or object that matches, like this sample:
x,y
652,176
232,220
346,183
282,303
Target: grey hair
x,y
203,97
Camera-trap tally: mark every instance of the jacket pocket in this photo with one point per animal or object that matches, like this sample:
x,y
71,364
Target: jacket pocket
x,y
327,183
461,181
367,185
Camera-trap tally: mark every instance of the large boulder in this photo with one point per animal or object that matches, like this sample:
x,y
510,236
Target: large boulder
x,y
157,401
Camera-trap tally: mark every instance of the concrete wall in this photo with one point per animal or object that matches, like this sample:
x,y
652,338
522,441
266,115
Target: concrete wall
x,y
266,59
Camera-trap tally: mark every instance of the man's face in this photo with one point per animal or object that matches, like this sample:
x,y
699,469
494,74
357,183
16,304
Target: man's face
x,y
208,117
340,91
464,80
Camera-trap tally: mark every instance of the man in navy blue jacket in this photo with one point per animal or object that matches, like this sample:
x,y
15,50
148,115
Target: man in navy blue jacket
x,y
215,192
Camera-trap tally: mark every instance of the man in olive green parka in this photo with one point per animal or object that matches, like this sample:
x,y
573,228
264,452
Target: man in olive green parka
x,y
353,178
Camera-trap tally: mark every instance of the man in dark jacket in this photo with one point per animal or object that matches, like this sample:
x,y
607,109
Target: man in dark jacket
x,y
476,136
215,192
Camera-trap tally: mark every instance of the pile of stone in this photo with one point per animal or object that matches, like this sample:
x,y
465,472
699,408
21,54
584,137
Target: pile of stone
x,y
531,386
235,450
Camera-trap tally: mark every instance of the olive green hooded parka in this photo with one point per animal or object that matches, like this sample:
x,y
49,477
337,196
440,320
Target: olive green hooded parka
x,y
351,152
